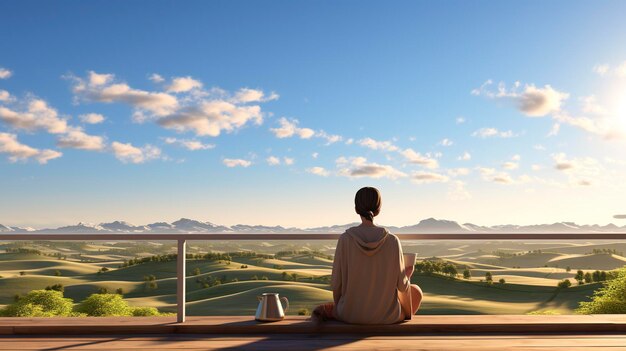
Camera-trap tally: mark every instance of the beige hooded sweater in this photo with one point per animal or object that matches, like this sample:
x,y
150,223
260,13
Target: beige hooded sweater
x,y
368,275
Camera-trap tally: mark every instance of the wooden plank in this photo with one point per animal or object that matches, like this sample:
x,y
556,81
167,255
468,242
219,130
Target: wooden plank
x,y
420,325
314,342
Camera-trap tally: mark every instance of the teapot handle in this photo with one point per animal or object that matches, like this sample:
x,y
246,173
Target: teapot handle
x,y
286,303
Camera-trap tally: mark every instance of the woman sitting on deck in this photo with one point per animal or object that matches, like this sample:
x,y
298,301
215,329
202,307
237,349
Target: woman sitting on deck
x,y
369,281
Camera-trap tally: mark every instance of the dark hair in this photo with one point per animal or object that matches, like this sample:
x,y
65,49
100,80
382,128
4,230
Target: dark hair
x,y
367,202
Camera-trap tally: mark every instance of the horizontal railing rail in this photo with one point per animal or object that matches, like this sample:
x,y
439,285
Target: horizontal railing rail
x,y
312,236
182,239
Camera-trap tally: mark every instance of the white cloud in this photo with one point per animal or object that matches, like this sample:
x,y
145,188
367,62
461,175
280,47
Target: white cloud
x,y
460,120
289,128
510,165
18,151
330,138
183,84
315,155
189,144
273,161
129,153
37,115
446,142
236,162
591,106
536,167
5,96
288,161
245,95
428,177
581,170
417,158
492,132
539,147
211,117
350,141
76,138
358,167
320,171
455,172
465,157
531,100
5,73
601,69
91,118
377,145
101,88
156,78
491,175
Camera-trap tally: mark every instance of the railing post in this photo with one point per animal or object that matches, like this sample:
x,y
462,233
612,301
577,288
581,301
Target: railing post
x,y
180,280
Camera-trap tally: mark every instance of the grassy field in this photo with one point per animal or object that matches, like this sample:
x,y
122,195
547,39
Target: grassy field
x,y
531,276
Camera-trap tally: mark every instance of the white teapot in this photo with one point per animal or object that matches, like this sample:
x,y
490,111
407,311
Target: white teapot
x,y
270,308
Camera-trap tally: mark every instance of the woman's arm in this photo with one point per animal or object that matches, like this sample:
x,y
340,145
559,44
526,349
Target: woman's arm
x,y
335,282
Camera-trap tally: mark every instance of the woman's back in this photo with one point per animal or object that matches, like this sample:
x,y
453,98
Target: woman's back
x,y
367,273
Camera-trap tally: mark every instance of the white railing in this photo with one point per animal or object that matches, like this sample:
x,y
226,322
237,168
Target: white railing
x,y
182,244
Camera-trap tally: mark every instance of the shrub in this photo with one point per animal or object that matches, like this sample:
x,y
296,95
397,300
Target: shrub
x,y
57,287
119,291
488,277
40,303
565,283
145,312
105,305
502,281
196,271
611,298
303,312
467,274
57,273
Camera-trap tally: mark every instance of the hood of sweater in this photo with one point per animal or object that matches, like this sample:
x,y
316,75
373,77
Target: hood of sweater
x,y
370,248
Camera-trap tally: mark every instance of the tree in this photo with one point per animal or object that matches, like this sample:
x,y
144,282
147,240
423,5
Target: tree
x,y
568,269
501,281
565,283
588,278
105,305
579,275
467,274
57,273
40,303
596,276
602,276
608,299
119,291
488,277
196,271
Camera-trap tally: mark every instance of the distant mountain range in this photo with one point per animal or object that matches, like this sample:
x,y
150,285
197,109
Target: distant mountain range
x,y
430,225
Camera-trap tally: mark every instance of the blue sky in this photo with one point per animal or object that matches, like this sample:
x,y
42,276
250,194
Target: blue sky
x,y
276,112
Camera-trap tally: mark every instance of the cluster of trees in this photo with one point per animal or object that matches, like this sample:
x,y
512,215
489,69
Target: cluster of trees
x,y
436,266
611,298
150,280
596,276
311,253
607,252
52,303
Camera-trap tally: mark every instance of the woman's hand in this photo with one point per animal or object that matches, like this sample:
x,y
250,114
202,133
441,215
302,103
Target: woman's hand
x,y
409,271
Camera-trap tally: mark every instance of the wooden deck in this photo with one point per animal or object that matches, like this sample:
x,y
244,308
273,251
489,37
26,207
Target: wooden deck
x,y
296,333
